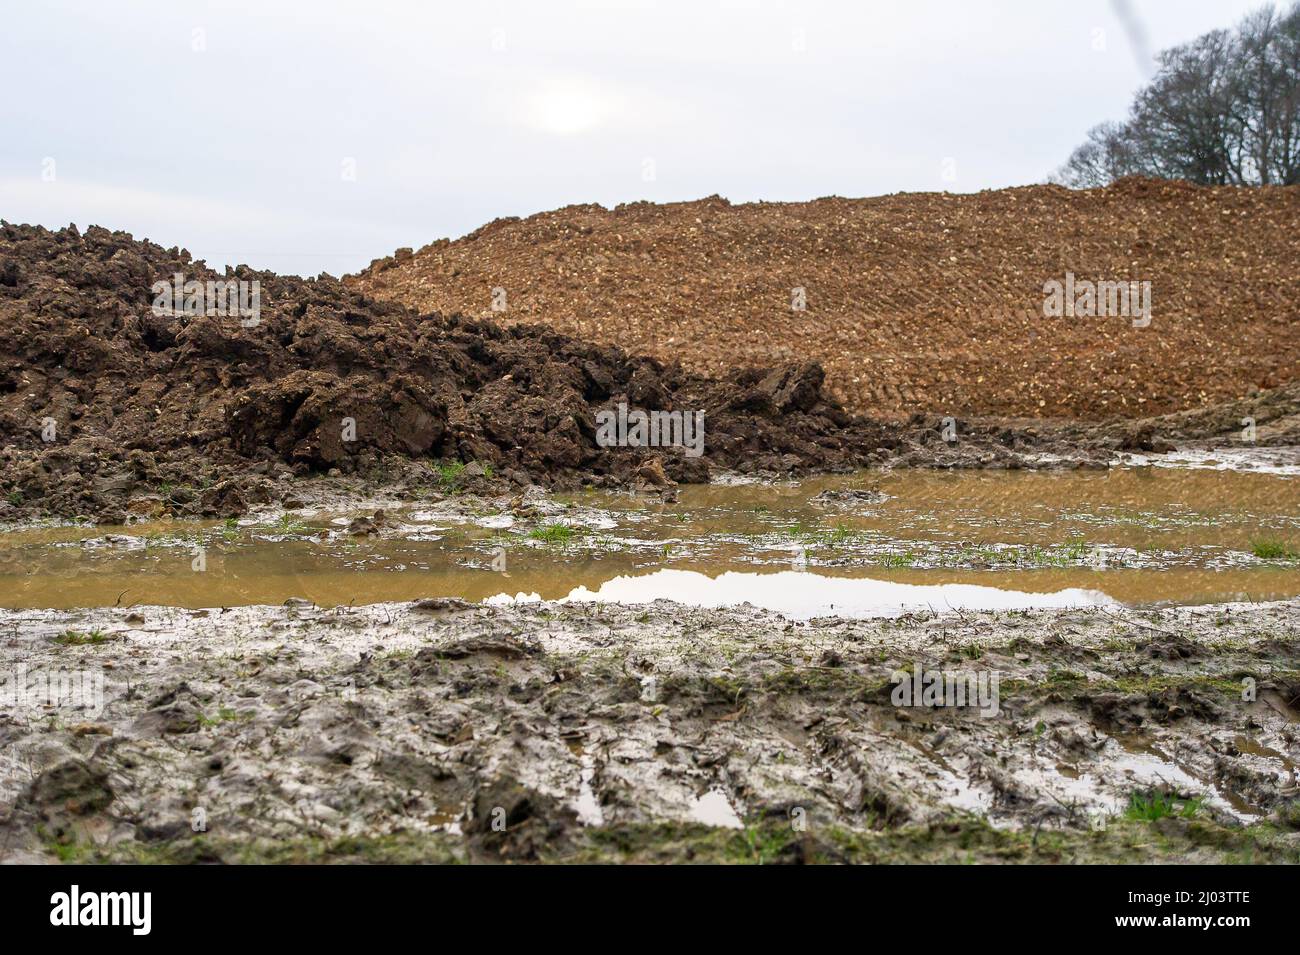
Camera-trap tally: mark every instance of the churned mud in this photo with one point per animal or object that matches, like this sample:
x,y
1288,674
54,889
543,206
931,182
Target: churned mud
x,y
442,730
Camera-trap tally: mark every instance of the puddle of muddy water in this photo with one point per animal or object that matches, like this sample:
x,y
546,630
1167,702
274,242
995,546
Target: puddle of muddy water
x,y
859,545
1139,765
713,808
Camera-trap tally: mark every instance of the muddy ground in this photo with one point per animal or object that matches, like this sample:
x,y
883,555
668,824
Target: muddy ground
x,y
447,732
111,412
654,733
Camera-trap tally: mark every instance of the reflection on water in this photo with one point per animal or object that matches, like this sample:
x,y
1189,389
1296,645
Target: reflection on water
x,y
803,595
714,809
868,543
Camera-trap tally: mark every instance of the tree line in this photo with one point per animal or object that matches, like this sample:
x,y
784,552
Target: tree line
x,y
1223,109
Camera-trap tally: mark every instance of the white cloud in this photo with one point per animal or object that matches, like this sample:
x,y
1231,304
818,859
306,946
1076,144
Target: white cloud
x,y
570,105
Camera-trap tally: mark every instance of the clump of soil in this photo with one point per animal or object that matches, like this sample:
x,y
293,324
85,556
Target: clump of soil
x,y
927,302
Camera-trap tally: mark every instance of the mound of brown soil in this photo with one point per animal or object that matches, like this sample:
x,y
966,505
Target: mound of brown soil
x,y
99,393
914,302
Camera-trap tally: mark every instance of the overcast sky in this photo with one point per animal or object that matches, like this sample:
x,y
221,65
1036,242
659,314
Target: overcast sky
x,y
317,136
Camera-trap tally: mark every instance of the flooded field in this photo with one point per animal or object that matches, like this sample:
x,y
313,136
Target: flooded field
x,y
857,545
1129,637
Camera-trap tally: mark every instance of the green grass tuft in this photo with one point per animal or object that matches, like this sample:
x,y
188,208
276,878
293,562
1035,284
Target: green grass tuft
x,y
561,534
1273,548
1150,806
78,638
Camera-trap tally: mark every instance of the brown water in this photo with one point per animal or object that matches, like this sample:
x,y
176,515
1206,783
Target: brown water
x,y
1134,535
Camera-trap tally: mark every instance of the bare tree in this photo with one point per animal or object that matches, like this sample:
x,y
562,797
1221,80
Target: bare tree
x,y
1223,109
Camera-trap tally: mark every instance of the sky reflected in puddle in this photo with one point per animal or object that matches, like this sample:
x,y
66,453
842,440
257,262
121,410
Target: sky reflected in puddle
x,y
803,595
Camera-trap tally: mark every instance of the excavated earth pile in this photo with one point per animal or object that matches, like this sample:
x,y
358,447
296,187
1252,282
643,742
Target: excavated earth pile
x,y
928,303
101,394
113,406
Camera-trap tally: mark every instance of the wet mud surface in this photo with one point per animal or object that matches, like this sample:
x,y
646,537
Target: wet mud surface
x,y
441,731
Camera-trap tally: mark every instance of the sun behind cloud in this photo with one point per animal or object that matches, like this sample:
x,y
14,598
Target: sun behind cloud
x,y
569,106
